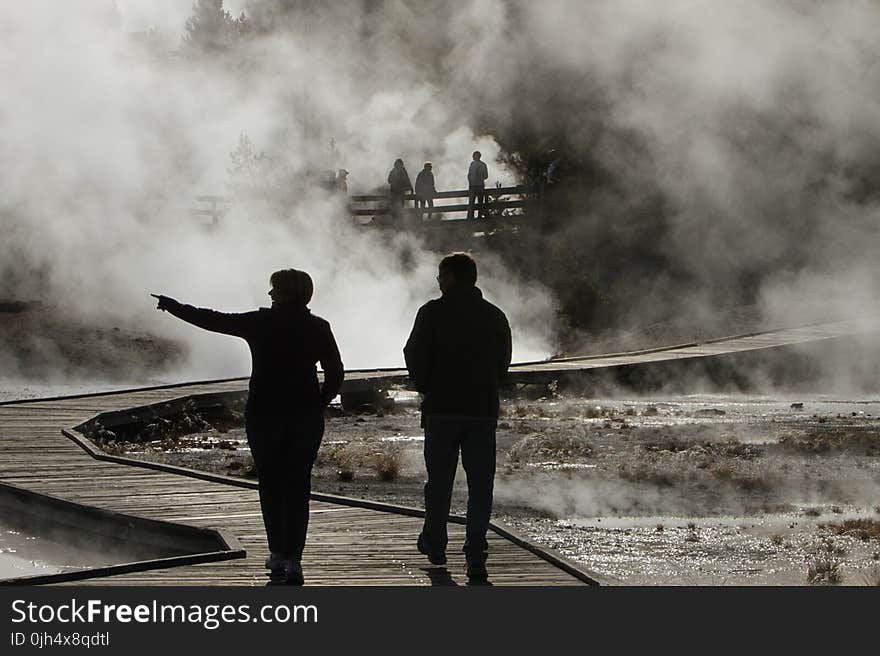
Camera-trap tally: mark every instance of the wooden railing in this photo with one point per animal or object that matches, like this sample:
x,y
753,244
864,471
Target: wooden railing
x,y
217,206
500,202
495,206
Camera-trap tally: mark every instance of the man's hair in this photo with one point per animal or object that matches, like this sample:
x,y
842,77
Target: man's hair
x,y
462,267
477,153
398,161
295,285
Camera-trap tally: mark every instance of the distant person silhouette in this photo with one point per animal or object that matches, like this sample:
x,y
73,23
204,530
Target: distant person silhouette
x,y
342,181
457,356
477,174
398,185
425,189
284,415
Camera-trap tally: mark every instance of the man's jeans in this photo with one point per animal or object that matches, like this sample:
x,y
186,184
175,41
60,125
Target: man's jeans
x,y
476,196
284,450
475,438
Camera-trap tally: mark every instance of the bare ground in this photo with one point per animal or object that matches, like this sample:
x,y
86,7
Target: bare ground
x,y
695,491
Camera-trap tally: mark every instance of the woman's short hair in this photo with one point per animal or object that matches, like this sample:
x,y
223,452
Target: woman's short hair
x,y
294,285
462,267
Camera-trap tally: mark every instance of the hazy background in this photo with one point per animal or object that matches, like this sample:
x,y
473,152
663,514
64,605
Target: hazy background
x,y
719,156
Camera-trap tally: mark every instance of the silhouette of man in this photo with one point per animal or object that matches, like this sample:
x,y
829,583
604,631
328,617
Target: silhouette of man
x,y
457,356
477,174
284,415
425,189
342,181
398,184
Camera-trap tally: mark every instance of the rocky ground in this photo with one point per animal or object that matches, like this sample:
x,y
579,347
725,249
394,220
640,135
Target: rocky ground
x,y
701,490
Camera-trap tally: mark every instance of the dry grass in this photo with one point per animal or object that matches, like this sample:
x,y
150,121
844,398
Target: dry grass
x,y
541,446
648,473
824,568
824,571
822,439
348,461
863,529
388,464
670,444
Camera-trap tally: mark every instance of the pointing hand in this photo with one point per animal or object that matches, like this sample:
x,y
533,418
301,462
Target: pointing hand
x,y
165,302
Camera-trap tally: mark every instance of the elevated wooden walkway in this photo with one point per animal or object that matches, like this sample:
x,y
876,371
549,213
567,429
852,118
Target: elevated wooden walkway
x,y
501,202
347,545
450,207
631,365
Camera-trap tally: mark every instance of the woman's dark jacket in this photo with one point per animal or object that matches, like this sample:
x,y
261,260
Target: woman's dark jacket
x,y
286,341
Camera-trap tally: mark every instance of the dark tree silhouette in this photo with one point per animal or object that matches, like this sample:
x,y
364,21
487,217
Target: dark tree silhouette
x,y
212,30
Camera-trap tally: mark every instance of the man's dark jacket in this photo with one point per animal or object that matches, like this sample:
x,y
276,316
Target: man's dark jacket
x,y
458,354
286,341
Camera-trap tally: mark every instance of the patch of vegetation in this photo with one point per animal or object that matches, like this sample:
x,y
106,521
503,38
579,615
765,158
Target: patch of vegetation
x,y
670,444
863,529
387,464
540,446
168,429
648,473
521,411
824,568
735,449
823,440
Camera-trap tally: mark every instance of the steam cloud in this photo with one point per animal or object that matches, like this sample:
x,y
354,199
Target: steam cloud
x,y
741,138
108,136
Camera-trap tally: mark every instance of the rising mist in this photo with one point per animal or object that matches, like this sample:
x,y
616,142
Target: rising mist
x,y
721,155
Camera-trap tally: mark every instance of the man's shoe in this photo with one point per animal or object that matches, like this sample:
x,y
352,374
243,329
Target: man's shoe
x,y
477,571
275,561
288,573
435,556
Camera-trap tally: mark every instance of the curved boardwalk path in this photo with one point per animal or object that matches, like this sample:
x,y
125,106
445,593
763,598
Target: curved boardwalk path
x,y
346,545
633,364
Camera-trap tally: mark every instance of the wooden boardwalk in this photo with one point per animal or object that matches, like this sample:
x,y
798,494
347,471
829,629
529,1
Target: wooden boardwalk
x,y
635,362
346,545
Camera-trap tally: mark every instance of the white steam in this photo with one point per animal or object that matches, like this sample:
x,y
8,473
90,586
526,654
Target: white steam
x,y
107,137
